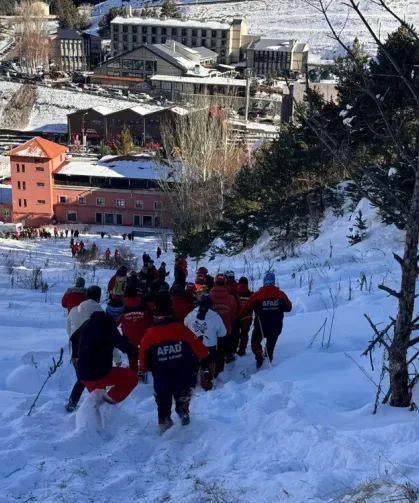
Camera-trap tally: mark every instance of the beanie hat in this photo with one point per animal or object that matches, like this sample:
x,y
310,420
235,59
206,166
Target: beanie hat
x,y
220,279
164,287
204,300
177,291
269,279
115,308
229,274
202,270
243,281
80,282
163,306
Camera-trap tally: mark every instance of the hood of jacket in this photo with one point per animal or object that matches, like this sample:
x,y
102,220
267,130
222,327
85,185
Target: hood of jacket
x,y
220,292
75,289
87,308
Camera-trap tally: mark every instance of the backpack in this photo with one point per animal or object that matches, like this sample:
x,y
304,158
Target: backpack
x,y
120,284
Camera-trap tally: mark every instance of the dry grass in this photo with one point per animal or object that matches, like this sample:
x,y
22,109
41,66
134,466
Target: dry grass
x,y
380,491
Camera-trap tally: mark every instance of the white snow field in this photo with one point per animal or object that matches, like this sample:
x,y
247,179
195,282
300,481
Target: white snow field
x,y
297,431
297,19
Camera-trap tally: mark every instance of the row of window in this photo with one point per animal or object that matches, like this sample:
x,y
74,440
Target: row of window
x,y
120,203
117,219
168,31
22,185
20,168
154,40
24,203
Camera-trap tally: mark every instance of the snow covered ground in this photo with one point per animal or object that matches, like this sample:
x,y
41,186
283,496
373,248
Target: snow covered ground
x,y
53,105
301,430
298,19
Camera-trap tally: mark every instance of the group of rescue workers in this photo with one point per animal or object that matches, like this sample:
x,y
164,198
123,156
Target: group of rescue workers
x,y
173,332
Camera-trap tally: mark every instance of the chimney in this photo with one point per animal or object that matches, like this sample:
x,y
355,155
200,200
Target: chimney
x,y
197,70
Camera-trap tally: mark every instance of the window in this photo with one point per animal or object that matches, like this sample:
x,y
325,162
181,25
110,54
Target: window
x,y
158,205
109,218
134,38
39,169
40,184
149,66
23,168
115,37
144,30
137,221
184,41
72,217
40,201
118,219
144,39
125,29
153,30
100,201
194,32
6,212
18,185
98,218
62,199
184,32
223,43
153,40
203,33
156,221
163,40
23,185
81,200
25,203
120,203
147,221
125,38
174,31
20,202
18,168
194,42
125,47
213,33
163,31
213,42
134,29
139,205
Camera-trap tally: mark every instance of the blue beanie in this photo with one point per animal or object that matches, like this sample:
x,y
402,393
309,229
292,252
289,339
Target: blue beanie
x,y
115,310
269,279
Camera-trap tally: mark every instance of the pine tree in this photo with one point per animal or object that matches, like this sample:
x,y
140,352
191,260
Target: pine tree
x,y
105,21
67,14
358,230
125,143
170,9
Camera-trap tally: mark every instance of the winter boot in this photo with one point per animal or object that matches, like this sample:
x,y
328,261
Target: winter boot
x,y
182,408
142,376
71,406
206,381
242,349
165,424
259,361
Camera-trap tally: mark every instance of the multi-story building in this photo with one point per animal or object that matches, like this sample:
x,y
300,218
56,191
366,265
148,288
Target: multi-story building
x,y
73,51
267,56
226,39
46,188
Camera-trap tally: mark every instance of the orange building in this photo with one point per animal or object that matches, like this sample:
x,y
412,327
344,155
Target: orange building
x,y
49,188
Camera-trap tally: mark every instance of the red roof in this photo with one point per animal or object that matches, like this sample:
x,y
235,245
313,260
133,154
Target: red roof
x,y
38,147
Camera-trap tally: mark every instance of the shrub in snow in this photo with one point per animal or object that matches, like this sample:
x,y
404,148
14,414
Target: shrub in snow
x,y
357,230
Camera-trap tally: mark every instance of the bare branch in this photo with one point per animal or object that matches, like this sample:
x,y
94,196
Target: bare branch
x,y
379,339
390,291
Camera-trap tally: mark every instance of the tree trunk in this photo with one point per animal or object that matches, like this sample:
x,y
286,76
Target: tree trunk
x,y
399,378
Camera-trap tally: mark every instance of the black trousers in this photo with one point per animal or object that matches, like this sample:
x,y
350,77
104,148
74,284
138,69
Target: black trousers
x,y
77,390
179,391
271,339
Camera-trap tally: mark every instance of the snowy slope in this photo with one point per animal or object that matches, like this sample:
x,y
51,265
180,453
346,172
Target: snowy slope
x,y
298,431
53,105
297,19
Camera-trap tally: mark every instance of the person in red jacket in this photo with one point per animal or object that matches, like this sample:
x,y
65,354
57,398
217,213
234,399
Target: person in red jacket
x,y
134,321
231,282
243,293
181,306
225,305
172,353
107,254
190,293
74,296
75,249
122,271
269,305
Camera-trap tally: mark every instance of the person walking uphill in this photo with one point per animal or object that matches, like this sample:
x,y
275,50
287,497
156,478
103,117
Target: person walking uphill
x,y
94,343
75,295
269,304
172,353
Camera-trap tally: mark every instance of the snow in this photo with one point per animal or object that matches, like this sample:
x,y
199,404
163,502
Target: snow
x,y
5,193
4,167
222,81
139,167
392,172
31,151
192,23
301,430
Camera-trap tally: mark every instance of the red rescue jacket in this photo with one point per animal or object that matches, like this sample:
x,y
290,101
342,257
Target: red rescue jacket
x,y
225,305
243,294
73,297
135,320
181,308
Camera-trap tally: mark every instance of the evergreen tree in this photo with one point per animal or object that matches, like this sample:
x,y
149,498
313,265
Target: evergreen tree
x,y
170,9
105,21
67,14
125,143
358,230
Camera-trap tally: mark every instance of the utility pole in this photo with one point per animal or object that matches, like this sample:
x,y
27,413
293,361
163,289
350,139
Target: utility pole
x,y
248,72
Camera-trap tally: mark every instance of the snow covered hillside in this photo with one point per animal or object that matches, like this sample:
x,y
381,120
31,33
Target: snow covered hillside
x,y
301,430
53,105
296,19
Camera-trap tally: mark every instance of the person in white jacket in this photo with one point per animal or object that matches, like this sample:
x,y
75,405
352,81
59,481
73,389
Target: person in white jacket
x,y
208,326
77,316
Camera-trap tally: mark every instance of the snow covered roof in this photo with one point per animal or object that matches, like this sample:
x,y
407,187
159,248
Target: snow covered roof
x,y
141,110
5,193
38,147
176,23
221,81
103,110
144,167
272,44
4,167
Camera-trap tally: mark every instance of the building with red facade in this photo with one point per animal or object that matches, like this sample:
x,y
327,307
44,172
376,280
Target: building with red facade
x,y
47,187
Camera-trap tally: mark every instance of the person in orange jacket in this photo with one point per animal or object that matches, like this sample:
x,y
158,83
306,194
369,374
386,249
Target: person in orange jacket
x,y
269,304
172,353
225,305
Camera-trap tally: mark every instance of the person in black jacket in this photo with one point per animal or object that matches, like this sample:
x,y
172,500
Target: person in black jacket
x,y
94,343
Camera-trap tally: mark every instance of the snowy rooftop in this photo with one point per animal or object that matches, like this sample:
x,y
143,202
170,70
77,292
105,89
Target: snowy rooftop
x,y
176,23
271,44
103,110
4,167
221,81
142,167
5,193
